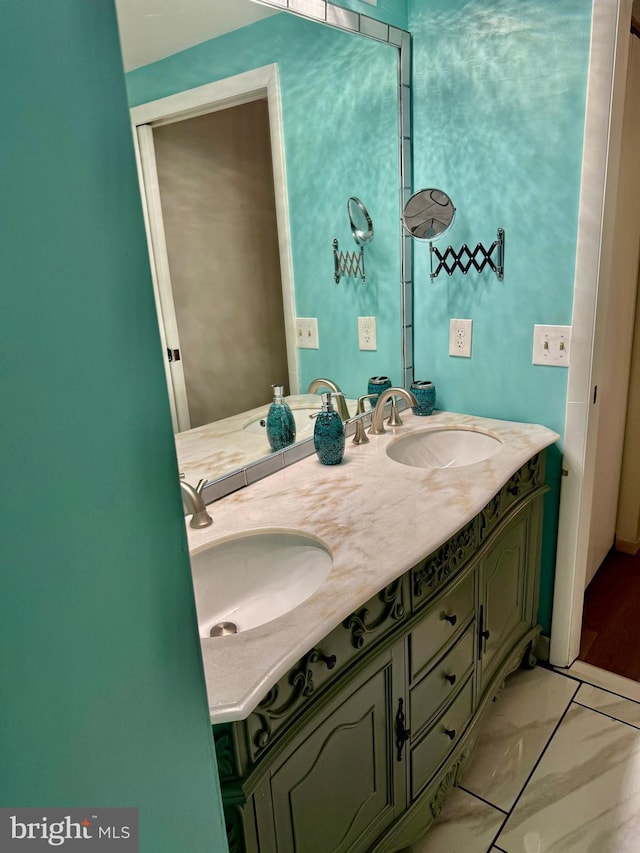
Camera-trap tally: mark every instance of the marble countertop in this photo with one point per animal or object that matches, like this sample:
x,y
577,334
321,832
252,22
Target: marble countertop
x,y
377,517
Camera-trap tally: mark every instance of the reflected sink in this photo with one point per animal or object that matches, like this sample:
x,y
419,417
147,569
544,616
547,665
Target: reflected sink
x,y
448,447
253,578
304,423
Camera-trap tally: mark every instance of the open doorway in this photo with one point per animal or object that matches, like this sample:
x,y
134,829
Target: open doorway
x,y
214,188
610,633
603,325
218,208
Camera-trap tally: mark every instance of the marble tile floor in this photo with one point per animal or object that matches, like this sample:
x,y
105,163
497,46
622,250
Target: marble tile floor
x,y
556,770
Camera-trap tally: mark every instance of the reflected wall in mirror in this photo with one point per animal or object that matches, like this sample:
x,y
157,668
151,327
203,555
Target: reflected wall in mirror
x,y
338,137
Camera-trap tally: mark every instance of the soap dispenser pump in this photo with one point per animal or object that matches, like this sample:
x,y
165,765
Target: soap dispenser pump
x,y
328,433
281,427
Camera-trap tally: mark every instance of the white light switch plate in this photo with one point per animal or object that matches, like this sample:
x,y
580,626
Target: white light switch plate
x,y
307,333
551,345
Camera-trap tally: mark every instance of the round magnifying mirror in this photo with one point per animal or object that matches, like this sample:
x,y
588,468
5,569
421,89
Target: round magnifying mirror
x,y
428,214
361,224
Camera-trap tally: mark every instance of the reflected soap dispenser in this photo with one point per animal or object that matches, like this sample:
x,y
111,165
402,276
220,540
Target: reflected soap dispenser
x,y
328,433
281,427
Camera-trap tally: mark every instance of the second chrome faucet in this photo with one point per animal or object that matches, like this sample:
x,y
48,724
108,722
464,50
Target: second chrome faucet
x,y
377,419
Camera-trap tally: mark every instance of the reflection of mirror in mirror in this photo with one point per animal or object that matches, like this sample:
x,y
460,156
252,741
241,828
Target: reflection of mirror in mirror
x,y
428,214
361,224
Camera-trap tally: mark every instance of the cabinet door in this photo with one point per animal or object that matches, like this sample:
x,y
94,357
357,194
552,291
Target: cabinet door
x,y
508,574
341,784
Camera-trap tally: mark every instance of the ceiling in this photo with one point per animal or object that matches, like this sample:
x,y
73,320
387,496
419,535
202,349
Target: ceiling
x,y
153,29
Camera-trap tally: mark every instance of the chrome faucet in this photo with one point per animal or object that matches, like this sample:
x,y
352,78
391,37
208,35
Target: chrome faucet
x,y
341,404
377,426
194,503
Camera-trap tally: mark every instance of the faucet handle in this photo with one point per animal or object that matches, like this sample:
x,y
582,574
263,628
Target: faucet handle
x,y
200,486
360,436
360,407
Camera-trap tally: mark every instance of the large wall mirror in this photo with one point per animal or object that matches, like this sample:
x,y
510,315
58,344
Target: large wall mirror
x,y
254,127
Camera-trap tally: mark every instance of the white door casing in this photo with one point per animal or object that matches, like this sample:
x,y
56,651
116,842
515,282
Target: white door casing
x,y
223,94
588,363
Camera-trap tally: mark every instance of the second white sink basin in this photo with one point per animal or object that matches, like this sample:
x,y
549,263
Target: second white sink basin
x,y
253,578
447,447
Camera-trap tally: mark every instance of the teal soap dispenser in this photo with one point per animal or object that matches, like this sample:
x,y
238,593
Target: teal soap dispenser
x,y
328,433
281,427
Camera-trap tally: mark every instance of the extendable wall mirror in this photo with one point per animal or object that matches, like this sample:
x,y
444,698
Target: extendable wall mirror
x,y
361,224
428,214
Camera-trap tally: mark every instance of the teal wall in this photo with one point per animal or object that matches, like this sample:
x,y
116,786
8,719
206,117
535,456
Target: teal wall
x,y
498,110
339,112
103,701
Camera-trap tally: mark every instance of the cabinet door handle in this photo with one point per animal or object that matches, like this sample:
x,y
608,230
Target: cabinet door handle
x,y
450,733
450,619
485,634
402,734
451,679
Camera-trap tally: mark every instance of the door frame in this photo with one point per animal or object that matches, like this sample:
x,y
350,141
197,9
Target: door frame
x,y
611,20
230,92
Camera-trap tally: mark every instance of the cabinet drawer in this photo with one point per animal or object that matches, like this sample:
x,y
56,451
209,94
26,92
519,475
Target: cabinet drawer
x,y
445,620
432,750
430,694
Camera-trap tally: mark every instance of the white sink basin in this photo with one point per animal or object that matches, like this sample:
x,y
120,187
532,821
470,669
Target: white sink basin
x,y
304,424
251,579
447,447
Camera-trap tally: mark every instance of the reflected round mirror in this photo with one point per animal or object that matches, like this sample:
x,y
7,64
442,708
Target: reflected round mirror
x,y
428,214
361,224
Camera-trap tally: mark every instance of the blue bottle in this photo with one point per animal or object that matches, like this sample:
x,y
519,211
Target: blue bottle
x,y
328,433
281,427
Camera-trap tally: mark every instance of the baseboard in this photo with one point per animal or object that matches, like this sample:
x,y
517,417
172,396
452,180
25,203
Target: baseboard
x,y
541,648
627,547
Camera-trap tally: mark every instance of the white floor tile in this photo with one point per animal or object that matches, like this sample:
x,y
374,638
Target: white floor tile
x,y
515,733
584,796
608,703
465,824
607,680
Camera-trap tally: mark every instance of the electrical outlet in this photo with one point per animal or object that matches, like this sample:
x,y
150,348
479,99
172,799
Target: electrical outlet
x,y
307,333
367,333
460,338
551,345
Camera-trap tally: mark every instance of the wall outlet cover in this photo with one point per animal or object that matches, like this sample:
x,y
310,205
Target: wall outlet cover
x,y
367,333
460,332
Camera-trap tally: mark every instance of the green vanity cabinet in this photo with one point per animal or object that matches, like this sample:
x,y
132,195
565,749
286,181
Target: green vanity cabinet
x,y
339,786
508,589
356,747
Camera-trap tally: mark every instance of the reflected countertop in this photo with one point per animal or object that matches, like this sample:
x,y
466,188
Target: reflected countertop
x,y
367,500
210,451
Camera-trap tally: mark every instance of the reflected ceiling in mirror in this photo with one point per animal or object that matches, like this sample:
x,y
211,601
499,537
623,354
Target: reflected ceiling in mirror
x,y
324,107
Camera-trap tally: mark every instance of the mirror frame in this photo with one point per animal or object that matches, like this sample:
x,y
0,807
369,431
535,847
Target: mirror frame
x,y
357,23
